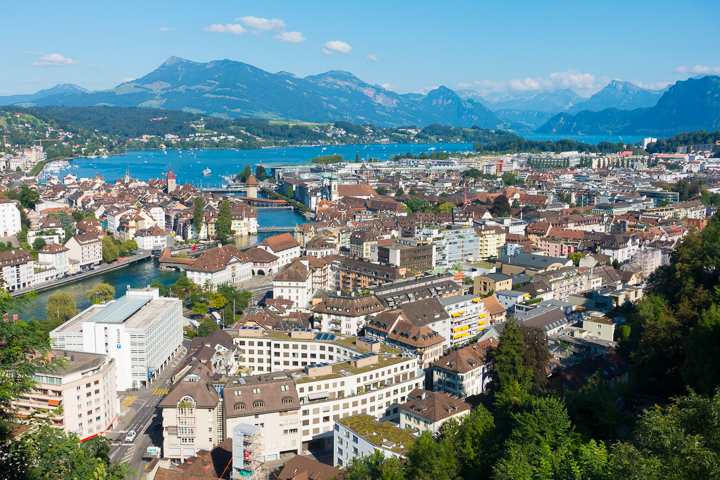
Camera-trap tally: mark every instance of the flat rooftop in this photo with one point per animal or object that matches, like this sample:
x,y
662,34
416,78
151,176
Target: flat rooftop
x,y
385,435
134,312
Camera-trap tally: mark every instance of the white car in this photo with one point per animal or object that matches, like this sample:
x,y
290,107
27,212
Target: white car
x,y
130,437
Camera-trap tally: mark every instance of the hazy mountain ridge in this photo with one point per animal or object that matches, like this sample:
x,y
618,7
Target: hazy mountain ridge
x,y
687,106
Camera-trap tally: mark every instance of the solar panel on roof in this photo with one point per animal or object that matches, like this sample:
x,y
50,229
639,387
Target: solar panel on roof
x,y
324,336
120,310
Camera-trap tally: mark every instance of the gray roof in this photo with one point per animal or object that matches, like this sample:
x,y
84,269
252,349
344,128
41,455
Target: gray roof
x,y
531,260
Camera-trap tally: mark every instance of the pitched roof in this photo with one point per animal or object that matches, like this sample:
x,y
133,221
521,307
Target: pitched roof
x,y
280,242
258,394
434,406
217,259
492,305
300,467
425,311
251,181
465,359
258,255
54,248
360,190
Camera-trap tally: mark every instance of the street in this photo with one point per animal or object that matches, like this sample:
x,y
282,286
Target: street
x,y
141,416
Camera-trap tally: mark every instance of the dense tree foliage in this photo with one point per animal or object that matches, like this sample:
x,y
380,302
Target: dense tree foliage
x,y
198,218
501,206
101,292
328,159
223,225
61,306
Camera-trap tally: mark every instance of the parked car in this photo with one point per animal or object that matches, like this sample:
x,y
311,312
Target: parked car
x,y
130,437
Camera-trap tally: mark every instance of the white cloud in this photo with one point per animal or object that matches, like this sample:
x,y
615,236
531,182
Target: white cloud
x,y
387,86
127,79
233,28
164,29
372,57
336,46
651,86
696,69
582,83
258,25
426,90
290,37
52,59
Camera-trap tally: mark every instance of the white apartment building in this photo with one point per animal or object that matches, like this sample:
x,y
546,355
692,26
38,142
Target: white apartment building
x,y
295,282
141,331
84,389
55,256
346,315
362,435
454,244
85,249
17,269
467,318
334,376
9,217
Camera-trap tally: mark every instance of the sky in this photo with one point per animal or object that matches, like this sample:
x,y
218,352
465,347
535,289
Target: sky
x,y
508,47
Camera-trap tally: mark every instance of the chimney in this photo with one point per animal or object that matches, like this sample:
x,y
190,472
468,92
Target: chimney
x,y
72,358
422,396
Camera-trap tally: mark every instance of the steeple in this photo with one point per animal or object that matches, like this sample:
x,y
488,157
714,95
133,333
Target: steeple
x,y
127,175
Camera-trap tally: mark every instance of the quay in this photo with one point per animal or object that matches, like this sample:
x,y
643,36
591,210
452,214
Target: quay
x,y
97,271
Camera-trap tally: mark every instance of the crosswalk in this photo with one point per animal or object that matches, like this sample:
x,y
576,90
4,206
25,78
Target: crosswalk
x,y
128,454
161,391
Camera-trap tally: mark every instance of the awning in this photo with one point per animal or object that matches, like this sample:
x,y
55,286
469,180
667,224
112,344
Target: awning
x,y
318,395
482,315
53,403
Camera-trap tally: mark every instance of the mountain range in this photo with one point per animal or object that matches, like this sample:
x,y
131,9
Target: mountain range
x,y
690,105
228,89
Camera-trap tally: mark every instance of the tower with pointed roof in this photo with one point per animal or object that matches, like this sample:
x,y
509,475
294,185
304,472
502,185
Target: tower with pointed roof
x,y
127,175
251,185
171,183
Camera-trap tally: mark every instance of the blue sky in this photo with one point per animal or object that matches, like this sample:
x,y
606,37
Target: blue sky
x,y
492,47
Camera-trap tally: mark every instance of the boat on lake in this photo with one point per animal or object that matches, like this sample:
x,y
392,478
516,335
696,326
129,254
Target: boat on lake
x,y
207,172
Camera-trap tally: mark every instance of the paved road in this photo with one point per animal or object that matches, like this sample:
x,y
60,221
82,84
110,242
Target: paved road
x,y
141,416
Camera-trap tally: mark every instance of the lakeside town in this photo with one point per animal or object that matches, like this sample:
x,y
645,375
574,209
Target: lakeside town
x,y
378,316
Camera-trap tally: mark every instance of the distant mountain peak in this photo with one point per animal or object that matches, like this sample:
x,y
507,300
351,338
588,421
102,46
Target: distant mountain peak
x,y
173,60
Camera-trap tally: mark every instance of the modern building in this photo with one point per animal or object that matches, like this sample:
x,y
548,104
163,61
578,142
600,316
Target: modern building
x,y
426,411
492,238
417,257
141,331
84,389
454,244
9,217
362,435
467,318
345,314
335,376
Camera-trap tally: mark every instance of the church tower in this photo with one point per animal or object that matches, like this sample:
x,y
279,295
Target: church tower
x,y
171,184
127,175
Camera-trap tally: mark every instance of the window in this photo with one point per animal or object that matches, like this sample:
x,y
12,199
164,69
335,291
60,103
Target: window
x,y
239,406
237,393
258,404
256,391
287,400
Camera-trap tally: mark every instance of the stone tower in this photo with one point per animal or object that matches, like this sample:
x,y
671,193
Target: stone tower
x,y
171,183
252,185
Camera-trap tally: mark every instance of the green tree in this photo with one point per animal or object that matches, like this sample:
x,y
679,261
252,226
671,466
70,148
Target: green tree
x,y
701,370
38,244
105,292
198,219
160,287
445,207
399,192
382,191
412,191
416,204
289,192
260,173
110,251
515,204
508,359
207,326
67,221
223,224
128,246
61,306
201,308
501,206
28,196
575,257
78,215
244,175
536,356
428,459
217,301
357,157
376,467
